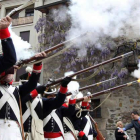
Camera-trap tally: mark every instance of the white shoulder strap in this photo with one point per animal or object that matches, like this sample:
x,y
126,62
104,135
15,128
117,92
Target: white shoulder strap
x,y
56,118
58,121
40,98
11,100
70,125
87,127
46,120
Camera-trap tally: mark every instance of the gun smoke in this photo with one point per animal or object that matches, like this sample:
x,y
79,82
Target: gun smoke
x,y
23,48
136,73
101,19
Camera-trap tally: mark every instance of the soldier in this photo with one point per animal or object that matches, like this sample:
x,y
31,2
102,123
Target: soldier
x,y
53,123
69,131
87,128
9,55
10,103
86,124
72,122
37,107
76,119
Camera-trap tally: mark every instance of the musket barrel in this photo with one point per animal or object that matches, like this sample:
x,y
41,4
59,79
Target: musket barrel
x,y
93,85
20,8
93,67
109,90
96,84
33,58
114,88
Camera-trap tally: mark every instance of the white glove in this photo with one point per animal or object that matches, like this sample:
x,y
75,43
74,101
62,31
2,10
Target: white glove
x,y
74,94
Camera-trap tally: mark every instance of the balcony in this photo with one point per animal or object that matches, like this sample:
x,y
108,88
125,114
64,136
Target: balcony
x,y
22,21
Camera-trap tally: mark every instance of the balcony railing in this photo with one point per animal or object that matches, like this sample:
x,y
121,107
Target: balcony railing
x,y
22,21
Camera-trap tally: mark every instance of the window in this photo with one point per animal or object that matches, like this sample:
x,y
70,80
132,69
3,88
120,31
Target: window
x,y
96,113
29,12
20,72
25,36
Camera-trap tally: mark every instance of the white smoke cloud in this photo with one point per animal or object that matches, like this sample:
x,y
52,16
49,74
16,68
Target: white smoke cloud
x,y
60,14
102,18
136,72
23,48
115,18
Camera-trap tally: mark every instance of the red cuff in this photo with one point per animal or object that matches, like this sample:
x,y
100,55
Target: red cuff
x,y
84,104
37,69
88,107
63,90
71,102
81,134
4,33
34,93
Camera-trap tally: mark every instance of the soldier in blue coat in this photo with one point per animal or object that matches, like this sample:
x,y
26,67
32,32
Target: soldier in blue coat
x,y
8,59
53,123
35,109
10,112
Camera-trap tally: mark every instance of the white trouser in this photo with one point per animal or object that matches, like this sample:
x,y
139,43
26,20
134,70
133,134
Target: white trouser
x,y
29,137
90,137
9,130
68,136
58,138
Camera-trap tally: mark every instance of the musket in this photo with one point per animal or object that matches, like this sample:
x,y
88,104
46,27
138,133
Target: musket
x,y
109,90
93,85
90,68
35,60
21,8
99,134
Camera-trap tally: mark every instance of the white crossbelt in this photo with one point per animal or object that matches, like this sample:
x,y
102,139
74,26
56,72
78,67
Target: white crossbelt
x,y
70,126
10,98
88,126
56,118
28,111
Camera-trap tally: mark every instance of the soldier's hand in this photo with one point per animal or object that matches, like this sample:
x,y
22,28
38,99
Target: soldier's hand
x,y
65,81
86,99
40,55
5,22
